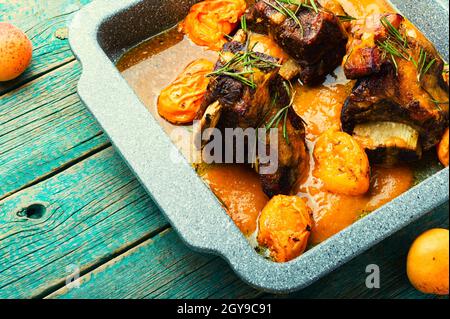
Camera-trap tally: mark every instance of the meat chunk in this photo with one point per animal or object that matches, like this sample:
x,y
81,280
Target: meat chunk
x,y
388,97
316,40
364,56
244,102
399,105
292,154
240,99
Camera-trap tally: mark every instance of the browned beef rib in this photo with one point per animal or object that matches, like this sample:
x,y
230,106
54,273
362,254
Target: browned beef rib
x,y
315,40
364,56
232,102
292,156
396,110
243,105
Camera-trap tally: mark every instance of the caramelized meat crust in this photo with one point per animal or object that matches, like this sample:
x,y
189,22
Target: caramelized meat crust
x,y
407,88
364,56
385,96
318,44
244,107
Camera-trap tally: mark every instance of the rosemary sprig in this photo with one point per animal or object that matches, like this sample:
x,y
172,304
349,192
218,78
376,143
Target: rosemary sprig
x,y
392,48
302,3
292,2
421,66
314,5
438,104
243,64
394,61
282,114
275,120
394,32
395,45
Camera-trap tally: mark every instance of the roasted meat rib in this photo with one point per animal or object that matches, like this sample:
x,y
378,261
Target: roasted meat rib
x,y
315,40
364,56
242,105
399,105
230,102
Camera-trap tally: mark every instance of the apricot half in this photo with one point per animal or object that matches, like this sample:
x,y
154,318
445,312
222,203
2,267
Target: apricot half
x,y
427,264
341,164
284,227
16,51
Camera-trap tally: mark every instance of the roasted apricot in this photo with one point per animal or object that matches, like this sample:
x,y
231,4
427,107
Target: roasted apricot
x,y
443,149
341,164
284,227
427,263
15,52
180,101
210,21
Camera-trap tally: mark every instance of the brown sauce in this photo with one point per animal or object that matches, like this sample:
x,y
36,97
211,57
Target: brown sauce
x,y
240,190
156,63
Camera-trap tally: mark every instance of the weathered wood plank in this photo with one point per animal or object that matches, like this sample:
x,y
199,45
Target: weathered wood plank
x,y
164,268
44,126
40,20
159,268
95,210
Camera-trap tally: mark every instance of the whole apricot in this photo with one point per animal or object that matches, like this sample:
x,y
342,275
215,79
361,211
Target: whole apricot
x,y
427,264
284,227
16,51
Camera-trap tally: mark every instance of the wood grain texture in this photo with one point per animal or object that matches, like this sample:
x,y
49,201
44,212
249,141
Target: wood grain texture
x,y
164,268
94,210
98,217
44,126
41,20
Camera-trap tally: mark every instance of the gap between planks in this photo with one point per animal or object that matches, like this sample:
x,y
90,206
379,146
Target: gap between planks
x,y
132,236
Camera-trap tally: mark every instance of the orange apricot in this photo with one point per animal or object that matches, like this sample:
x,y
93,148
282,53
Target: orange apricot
x,y
180,101
427,263
341,164
15,52
284,227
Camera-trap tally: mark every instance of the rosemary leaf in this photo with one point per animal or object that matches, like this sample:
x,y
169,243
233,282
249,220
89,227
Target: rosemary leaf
x,y
394,32
428,67
346,18
395,64
314,5
244,23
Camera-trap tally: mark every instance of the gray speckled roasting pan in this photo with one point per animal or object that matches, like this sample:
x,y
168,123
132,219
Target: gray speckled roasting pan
x,y
104,30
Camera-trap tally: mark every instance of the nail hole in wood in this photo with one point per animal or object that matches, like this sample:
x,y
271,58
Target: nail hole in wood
x,y
34,211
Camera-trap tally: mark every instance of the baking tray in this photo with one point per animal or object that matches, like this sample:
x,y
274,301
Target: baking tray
x,y
103,30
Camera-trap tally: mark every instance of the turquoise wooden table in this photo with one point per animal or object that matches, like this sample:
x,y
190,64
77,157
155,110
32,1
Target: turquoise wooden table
x,y
70,206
